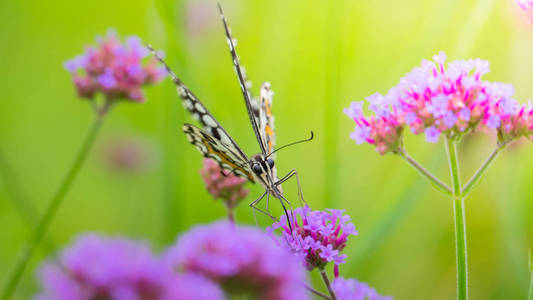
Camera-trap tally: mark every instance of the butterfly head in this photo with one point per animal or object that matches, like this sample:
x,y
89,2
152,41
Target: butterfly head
x,y
263,168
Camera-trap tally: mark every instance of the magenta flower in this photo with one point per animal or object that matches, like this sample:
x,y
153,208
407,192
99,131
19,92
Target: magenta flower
x,y
317,237
117,71
351,289
527,6
103,268
244,260
97,267
435,99
227,186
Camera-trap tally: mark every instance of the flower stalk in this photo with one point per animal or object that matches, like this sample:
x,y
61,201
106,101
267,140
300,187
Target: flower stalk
x,y
475,178
43,224
327,283
459,220
441,186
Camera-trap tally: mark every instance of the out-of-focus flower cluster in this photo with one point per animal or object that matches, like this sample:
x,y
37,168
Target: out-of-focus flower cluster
x,y
441,99
317,237
209,262
527,6
97,267
244,260
228,187
116,70
351,289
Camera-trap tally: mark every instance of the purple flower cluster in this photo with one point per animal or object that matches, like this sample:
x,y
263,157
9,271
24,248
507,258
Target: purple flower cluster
x,y
243,260
116,70
228,187
441,99
527,6
97,267
351,289
317,237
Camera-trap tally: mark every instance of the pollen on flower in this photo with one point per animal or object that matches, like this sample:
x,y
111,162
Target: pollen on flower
x,y
317,237
228,187
439,99
114,69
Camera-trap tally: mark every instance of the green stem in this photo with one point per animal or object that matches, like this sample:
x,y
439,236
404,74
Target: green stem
x,y
312,290
328,284
530,265
475,178
460,225
530,293
44,222
441,186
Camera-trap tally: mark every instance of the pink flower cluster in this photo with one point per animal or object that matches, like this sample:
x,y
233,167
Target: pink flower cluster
x,y
116,70
527,6
441,99
227,187
243,260
351,289
97,267
317,237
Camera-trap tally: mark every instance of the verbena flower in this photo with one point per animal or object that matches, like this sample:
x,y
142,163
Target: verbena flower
x,y
351,289
97,267
192,287
527,6
437,99
244,260
115,70
228,187
317,237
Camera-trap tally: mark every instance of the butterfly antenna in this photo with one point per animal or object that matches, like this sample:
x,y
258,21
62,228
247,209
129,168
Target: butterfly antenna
x,y
294,143
174,77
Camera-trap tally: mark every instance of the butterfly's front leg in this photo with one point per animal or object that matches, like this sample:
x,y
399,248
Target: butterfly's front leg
x,y
293,172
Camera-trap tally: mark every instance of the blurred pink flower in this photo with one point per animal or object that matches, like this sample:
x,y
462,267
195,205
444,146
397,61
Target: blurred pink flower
x,y
114,69
228,187
243,260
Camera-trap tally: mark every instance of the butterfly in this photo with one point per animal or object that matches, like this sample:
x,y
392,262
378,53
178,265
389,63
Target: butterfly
x,y
214,142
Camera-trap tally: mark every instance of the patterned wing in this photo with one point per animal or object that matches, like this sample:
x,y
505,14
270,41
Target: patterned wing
x,y
199,112
242,81
226,156
266,119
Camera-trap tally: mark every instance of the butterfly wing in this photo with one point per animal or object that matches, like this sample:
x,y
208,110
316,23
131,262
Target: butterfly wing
x,y
266,119
199,112
244,88
225,155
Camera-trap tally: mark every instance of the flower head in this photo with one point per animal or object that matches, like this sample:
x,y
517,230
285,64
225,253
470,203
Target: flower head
x,y
116,70
96,267
244,260
228,187
527,6
437,99
317,237
351,289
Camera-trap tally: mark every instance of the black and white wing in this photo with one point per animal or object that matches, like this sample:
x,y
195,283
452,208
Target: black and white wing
x,y
199,112
227,157
240,74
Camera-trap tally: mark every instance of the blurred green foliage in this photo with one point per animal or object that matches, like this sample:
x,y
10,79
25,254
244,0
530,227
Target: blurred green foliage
x,y
318,55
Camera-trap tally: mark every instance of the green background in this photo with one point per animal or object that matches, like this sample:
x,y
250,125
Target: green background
x,y
319,56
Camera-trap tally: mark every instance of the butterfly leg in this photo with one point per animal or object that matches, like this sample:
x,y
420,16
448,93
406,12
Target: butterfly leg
x,y
254,203
292,173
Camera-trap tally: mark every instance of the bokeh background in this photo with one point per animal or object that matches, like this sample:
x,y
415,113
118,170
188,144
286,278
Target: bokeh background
x,y
142,178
